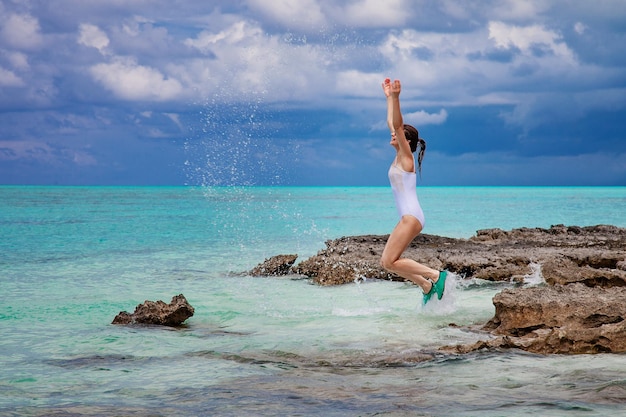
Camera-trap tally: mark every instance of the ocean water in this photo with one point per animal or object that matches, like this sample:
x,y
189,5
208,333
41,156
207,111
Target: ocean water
x,y
71,258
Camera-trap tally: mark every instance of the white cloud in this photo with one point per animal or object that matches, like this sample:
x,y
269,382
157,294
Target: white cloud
x,y
92,36
9,79
421,118
138,36
432,65
446,69
580,28
130,81
357,83
21,31
374,13
176,119
318,15
237,33
527,37
18,60
249,63
80,158
417,119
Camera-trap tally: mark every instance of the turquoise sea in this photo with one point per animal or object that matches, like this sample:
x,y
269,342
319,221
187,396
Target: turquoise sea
x,y
71,258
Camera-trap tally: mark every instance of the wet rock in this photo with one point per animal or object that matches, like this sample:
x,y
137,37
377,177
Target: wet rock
x,y
275,266
158,313
572,319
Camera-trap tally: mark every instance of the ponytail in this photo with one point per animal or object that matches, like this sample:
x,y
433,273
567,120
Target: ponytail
x,y
420,155
412,135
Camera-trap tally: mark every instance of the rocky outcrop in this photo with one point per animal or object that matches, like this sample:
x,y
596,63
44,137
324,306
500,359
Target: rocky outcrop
x,y
557,319
158,313
594,255
581,308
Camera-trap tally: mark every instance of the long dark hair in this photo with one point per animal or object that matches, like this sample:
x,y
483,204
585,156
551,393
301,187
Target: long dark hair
x,y
413,136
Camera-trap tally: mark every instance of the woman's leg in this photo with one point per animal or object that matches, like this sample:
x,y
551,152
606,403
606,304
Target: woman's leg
x,y
405,231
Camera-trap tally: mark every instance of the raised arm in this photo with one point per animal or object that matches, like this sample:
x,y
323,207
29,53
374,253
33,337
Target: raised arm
x,y
387,91
396,123
394,115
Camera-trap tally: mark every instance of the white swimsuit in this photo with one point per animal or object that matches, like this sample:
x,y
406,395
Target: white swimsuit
x,y
403,185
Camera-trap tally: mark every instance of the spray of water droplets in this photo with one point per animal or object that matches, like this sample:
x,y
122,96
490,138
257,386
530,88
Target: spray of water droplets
x,y
233,146
242,139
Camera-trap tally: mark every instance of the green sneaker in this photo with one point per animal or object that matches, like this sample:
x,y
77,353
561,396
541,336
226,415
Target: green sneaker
x,y
430,293
440,285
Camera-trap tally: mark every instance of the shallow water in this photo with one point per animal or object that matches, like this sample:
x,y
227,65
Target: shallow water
x,y
72,258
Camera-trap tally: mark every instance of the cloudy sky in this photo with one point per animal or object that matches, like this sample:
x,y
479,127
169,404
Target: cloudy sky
x,y
287,92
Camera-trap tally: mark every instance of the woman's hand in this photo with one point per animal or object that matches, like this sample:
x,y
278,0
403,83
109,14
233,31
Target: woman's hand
x,y
394,88
391,89
387,87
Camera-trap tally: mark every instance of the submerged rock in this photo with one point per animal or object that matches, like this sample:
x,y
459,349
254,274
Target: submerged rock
x,y
158,313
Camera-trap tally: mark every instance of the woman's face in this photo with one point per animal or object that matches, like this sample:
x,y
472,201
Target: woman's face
x,y
394,141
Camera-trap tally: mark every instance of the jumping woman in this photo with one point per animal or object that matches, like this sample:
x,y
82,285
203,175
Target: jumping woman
x,y
402,176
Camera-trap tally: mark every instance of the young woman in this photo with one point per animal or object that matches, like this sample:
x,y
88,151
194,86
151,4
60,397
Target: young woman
x,y
402,176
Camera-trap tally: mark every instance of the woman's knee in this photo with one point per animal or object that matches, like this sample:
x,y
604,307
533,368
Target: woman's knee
x,y
386,262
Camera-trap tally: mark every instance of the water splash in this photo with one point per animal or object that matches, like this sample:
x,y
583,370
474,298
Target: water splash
x,y
535,277
248,134
231,150
447,304
359,312
234,144
257,114
360,279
